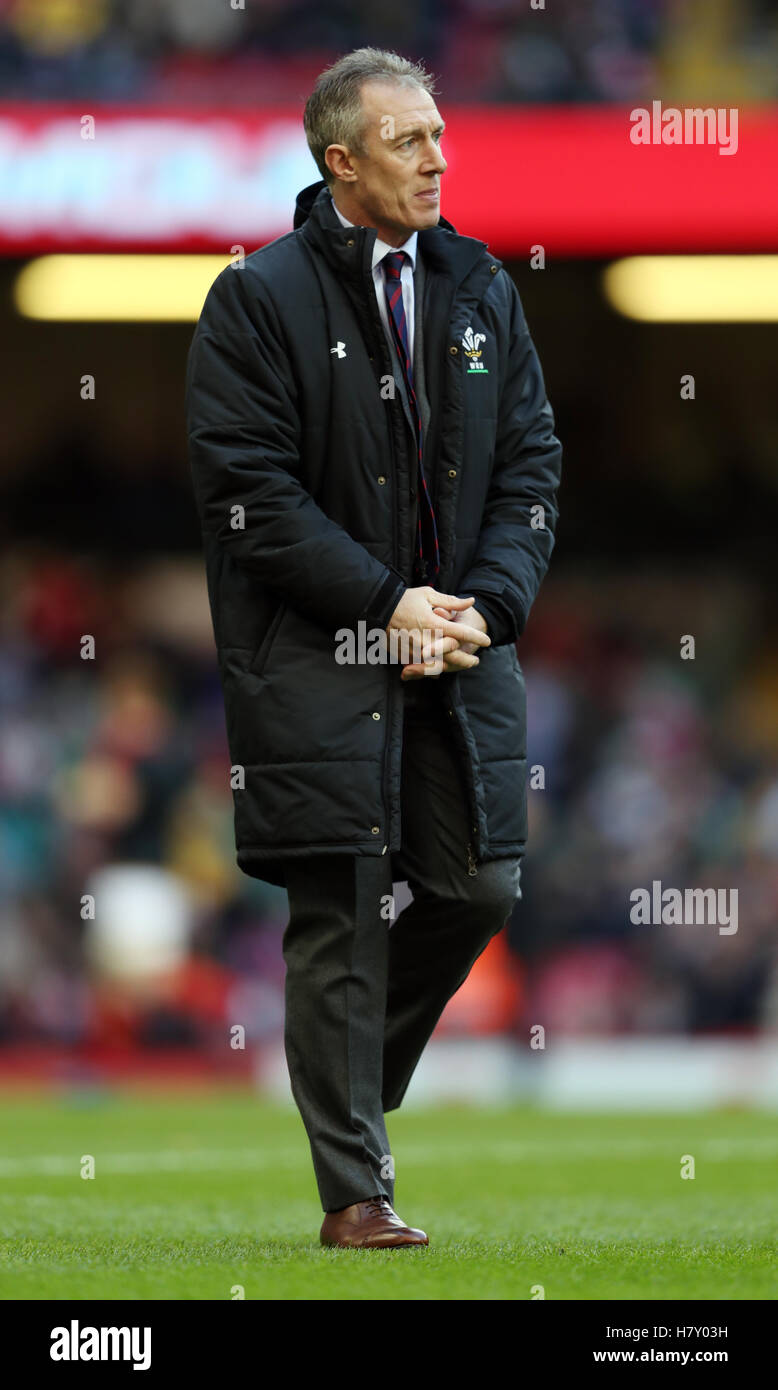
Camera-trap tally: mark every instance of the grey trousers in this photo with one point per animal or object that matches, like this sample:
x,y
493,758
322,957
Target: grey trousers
x,y
364,992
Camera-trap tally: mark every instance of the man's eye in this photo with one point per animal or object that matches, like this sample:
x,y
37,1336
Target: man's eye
x,y
412,140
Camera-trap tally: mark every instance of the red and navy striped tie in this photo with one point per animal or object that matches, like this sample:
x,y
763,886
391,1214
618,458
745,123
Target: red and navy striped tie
x,y
427,558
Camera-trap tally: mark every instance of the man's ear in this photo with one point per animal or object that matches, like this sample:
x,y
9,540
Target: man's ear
x,y
338,161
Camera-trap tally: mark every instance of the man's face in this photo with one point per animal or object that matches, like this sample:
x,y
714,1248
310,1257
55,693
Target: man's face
x,y
395,185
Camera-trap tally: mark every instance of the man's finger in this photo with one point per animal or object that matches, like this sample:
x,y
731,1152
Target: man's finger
x,y
443,646
451,600
464,633
414,672
460,661
461,632
439,647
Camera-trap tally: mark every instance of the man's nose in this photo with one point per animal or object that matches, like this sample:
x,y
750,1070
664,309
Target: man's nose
x,y
434,160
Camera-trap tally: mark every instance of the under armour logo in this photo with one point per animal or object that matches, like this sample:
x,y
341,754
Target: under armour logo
x,y
340,349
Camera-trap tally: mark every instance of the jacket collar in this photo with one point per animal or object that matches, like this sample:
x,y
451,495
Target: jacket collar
x,y
349,250
380,248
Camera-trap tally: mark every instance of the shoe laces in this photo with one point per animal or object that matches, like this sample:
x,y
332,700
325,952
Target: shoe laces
x,y
378,1203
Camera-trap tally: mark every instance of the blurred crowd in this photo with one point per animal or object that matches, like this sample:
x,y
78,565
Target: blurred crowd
x,y
646,766
246,52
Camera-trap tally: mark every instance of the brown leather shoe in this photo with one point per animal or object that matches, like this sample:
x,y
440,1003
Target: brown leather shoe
x,y
371,1225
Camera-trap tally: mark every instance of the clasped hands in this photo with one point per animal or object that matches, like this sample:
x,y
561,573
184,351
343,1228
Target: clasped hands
x,y
425,610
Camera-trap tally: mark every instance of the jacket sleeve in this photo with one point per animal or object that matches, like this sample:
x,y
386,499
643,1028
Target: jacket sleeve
x,y
499,619
243,427
513,553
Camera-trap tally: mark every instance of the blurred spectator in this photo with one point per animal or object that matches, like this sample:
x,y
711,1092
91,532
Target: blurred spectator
x,y
202,51
645,767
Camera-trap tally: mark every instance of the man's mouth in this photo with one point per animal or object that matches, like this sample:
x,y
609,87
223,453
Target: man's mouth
x,y
431,194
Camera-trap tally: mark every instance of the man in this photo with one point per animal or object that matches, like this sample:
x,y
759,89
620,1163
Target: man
x,y
373,455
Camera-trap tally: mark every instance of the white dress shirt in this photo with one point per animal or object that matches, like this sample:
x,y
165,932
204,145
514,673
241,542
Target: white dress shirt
x,y
406,278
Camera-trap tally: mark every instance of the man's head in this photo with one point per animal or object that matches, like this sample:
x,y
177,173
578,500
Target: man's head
x,y
374,130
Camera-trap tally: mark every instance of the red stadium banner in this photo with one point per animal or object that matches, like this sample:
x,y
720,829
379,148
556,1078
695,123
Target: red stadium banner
x,y
572,179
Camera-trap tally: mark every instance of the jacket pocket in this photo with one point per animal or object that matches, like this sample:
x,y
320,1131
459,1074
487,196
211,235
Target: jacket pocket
x,y
260,658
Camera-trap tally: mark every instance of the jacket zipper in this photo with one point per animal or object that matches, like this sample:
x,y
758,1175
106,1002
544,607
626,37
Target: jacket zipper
x,y
472,868
470,861
380,347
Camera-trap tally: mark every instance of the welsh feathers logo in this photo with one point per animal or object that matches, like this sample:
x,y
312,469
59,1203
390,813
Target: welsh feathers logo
x,y
473,352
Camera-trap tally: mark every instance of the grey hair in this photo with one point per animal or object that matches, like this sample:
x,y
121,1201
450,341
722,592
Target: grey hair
x,y
333,112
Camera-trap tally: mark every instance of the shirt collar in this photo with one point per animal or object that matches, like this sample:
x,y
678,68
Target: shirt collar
x,y
381,248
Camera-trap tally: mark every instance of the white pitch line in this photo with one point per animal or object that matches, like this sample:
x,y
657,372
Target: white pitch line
x,y
160,1160
442,1154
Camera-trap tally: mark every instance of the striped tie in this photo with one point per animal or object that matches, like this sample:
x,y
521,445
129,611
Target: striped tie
x,y
427,558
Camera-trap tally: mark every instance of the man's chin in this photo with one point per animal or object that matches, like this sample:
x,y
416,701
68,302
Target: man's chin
x,y
425,215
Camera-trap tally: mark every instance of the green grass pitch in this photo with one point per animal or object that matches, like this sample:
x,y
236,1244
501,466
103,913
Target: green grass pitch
x,y
203,1195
